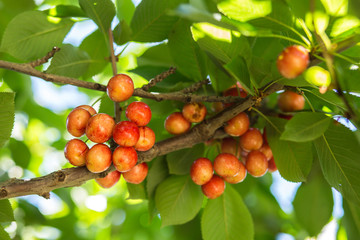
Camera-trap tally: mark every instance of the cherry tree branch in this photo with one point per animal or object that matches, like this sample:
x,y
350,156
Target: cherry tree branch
x,y
72,177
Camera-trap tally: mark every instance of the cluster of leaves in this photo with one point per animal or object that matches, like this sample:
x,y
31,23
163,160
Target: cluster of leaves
x,y
229,41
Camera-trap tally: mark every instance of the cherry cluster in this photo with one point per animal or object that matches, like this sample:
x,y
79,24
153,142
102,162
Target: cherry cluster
x,y
100,128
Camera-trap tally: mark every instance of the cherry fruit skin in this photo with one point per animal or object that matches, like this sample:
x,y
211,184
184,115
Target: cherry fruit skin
x,y
90,109
146,140
76,121
139,113
201,171
238,125
75,152
110,180
239,177
226,165
137,174
230,145
100,127
266,150
292,61
194,112
126,133
271,165
120,88
124,158
98,158
176,124
256,163
251,140
213,188
290,101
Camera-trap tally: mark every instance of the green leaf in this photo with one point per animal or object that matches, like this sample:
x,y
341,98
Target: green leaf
x,y
20,153
157,173
31,35
101,12
227,217
305,127
6,212
178,200
62,11
338,151
239,70
244,10
220,42
136,191
151,22
125,10
351,219
180,161
313,204
158,55
122,33
106,105
335,7
293,160
188,58
7,116
3,234
98,54
69,61
220,78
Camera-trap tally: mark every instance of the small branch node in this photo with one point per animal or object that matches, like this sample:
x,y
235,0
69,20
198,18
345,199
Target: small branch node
x,y
45,195
60,176
3,192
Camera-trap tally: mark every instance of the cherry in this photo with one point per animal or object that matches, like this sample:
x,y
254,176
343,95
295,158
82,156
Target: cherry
x,y
76,121
146,139
256,163
176,124
289,101
251,140
239,177
238,125
226,165
124,158
266,150
120,88
217,106
98,158
126,133
110,180
90,109
194,112
75,151
230,145
100,127
139,113
293,61
201,171
213,188
137,174
271,165
236,91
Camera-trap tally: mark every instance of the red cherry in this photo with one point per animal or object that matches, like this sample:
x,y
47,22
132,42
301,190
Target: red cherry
x,y
139,113
293,61
201,171
213,188
126,133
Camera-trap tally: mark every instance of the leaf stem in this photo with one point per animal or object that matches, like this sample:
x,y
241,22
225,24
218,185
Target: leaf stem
x,y
266,118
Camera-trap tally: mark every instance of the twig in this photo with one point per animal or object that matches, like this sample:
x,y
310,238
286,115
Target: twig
x,y
43,60
158,78
195,86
